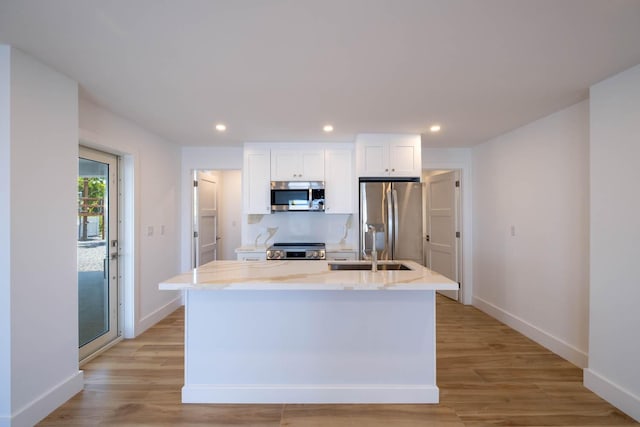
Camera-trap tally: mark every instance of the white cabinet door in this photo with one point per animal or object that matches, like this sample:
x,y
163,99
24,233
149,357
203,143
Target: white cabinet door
x,y
297,165
256,179
380,155
373,158
285,165
339,181
405,157
312,165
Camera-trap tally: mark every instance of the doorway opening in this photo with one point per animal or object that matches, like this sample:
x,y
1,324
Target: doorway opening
x,y
98,251
216,215
442,225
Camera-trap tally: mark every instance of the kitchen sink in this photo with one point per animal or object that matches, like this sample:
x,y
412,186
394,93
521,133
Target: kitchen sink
x,y
367,266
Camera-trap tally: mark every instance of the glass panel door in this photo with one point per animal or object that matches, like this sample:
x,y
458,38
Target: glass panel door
x,y
97,236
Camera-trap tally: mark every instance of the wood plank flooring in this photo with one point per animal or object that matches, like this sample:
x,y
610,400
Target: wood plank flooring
x,y
488,374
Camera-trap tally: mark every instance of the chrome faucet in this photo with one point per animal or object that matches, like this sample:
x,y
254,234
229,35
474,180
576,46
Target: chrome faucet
x,y
374,253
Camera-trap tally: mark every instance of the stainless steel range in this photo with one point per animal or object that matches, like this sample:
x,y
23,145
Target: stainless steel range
x,y
308,251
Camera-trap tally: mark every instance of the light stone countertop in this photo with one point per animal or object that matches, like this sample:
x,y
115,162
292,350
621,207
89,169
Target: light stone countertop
x,y
304,275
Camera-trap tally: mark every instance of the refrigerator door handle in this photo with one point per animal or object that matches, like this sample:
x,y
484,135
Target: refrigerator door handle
x,y
395,222
390,225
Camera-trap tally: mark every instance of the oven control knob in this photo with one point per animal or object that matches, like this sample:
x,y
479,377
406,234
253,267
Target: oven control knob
x,y
314,255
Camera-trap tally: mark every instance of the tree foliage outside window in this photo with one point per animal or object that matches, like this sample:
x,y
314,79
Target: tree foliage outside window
x,y
97,187
91,194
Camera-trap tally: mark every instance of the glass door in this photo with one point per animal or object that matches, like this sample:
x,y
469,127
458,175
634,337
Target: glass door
x,y
97,235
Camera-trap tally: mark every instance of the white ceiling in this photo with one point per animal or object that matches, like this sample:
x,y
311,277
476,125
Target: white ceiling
x,y
277,70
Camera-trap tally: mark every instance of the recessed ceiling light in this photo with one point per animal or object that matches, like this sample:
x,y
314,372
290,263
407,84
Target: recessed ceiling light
x,y
221,127
327,128
435,128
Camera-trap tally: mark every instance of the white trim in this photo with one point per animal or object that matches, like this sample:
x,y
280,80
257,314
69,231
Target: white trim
x,y
129,254
311,393
159,314
619,397
42,406
545,339
128,246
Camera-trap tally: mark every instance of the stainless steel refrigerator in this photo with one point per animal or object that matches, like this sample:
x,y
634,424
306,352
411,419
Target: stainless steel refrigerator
x,y
394,208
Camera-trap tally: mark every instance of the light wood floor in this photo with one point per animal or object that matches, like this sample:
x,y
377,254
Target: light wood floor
x,y
488,374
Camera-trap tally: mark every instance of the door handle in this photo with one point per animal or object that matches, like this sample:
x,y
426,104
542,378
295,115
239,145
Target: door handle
x,y
114,255
396,222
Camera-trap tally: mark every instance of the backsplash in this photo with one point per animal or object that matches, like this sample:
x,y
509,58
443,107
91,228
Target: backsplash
x,y
264,230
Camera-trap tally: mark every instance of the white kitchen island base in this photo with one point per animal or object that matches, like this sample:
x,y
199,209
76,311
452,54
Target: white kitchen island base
x,y
310,346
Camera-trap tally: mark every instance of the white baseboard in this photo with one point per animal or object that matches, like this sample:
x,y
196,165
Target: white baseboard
x,y
42,406
159,314
401,393
545,339
622,399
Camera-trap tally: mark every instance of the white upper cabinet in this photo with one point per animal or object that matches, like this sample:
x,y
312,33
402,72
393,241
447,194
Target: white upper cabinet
x,y
255,181
288,164
339,181
380,155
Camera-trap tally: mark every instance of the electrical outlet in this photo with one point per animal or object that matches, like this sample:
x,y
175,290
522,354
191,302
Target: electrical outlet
x,y
150,230
513,230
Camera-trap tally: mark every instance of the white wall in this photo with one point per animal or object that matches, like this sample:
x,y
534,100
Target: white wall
x,y
42,292
460,159
535,179
5,235
152,181
614,340
200,158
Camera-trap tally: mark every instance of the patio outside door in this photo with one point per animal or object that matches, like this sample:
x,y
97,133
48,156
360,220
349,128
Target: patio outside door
x,y
97,235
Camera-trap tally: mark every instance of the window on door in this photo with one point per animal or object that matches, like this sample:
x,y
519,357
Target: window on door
x,y
97,244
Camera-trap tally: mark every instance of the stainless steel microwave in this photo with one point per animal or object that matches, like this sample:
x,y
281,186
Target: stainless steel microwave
x,y
297,196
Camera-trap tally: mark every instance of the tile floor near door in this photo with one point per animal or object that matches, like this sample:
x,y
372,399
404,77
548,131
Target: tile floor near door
x,y
488,374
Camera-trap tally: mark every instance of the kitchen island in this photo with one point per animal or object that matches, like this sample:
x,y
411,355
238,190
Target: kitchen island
x,y
300,332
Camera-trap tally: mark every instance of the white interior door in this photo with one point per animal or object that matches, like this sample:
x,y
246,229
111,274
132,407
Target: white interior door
x,y
440,241
206,218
